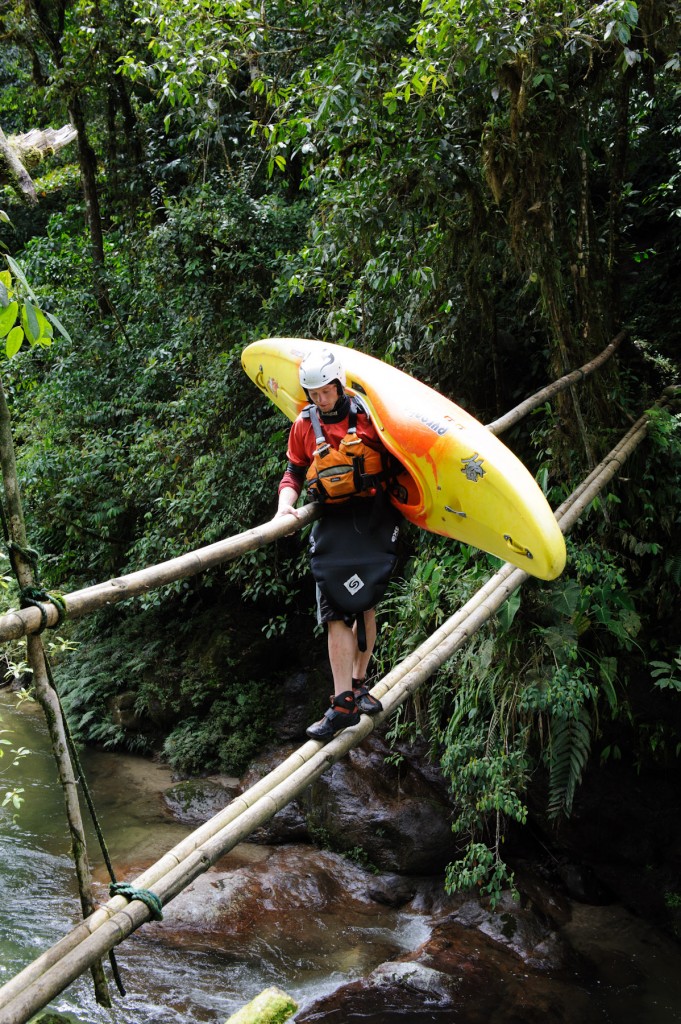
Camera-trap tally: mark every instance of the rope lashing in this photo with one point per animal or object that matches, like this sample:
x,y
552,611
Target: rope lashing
x,y
29,555
145,896
35,597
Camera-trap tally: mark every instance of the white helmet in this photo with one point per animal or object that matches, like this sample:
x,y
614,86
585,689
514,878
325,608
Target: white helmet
x,y
319,368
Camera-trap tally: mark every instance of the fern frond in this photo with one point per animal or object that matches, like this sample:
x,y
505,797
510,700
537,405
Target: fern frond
x,y
492,732
672,568
570,747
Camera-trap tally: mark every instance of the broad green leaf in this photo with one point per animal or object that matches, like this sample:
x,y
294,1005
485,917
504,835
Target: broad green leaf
x,y
29,321
59,325
8,317
508,610
14,341
4,295
20,276
45,327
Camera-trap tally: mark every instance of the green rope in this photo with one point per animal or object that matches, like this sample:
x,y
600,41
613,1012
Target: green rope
x,y
146,896
29,555
34,596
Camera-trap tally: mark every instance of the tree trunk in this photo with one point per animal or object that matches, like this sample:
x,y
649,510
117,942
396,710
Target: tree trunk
x,y
51,20
44,692
617,178
88,175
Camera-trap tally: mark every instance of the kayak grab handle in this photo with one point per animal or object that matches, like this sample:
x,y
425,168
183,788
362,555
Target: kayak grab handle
x,y
517,548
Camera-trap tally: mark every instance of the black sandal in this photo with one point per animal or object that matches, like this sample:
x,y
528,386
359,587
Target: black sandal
x,y
342,713
366,703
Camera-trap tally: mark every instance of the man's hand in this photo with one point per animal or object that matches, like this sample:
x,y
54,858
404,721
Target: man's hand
x,y
286,510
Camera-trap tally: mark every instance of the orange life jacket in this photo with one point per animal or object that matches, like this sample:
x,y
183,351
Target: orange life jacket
x,y
352,470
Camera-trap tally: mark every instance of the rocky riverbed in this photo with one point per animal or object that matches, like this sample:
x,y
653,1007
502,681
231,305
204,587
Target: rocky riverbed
x,y
574,947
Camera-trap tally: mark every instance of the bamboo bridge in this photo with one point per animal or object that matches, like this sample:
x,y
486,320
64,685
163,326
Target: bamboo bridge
x,y
108,925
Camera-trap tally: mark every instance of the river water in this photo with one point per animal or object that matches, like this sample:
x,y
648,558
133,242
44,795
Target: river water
x,y
636,976
39,902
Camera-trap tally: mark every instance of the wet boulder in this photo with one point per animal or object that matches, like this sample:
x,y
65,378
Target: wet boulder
x,y
288,825
453,975
397,817
313,907
196,800
519,927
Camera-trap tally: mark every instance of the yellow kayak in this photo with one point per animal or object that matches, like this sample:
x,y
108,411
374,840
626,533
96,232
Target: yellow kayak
x,y
460,480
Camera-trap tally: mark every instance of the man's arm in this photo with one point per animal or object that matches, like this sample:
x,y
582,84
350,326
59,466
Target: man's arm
x,y
288,496
290,486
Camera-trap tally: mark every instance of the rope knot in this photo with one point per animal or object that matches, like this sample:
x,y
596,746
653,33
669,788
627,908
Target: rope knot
x,y
146,896
34,597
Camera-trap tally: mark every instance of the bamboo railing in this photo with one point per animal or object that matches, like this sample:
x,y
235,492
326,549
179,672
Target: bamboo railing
x,y
17,623
514,416
52,972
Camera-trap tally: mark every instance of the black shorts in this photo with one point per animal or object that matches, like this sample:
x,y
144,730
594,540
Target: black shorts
x,y
325,611
353,554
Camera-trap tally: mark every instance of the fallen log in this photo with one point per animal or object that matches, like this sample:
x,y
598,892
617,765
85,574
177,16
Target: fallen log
x,y
37,144
20,152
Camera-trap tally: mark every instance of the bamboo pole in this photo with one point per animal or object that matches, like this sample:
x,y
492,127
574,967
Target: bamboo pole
x,y
514,416
42,980
16,623
272,1006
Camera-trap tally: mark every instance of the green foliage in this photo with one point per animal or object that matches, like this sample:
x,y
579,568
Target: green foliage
x,y
21,318
235,731
570,746
666,675
487,775
169,680
483,870
163,461
532,694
